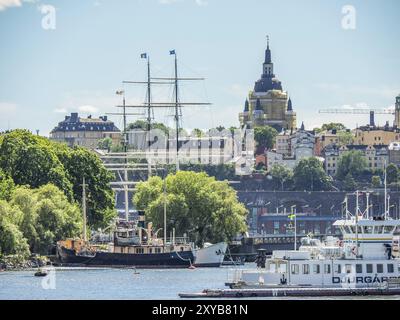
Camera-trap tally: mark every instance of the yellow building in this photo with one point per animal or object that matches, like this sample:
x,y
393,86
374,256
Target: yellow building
x,y
268,104
376,135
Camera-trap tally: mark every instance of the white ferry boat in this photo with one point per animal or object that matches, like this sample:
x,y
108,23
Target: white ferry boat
x,y
366,256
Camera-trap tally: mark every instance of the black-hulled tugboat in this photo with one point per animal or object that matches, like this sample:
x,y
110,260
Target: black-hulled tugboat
x,y
134,244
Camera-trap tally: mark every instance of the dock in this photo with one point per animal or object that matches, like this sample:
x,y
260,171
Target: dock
x,y
292,292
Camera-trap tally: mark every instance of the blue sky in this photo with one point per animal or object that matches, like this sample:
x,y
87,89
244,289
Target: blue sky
x,y
46,74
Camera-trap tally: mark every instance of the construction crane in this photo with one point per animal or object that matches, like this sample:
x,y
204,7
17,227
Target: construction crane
x,y
371,112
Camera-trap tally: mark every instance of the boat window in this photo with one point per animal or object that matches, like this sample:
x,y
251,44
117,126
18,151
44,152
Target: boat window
x,y
347,229
378,229
368,229
328,268
338,268
306,269
388,229
390,268
282,267
369,268
150,250
348,268
353,229
316,268
295,269
379,268
358,268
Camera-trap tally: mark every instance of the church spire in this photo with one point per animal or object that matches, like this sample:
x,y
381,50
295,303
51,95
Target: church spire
x,y
246,105
289,105
268,59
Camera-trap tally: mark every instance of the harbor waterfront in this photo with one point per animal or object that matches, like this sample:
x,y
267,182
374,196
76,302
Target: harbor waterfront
x,y
123,284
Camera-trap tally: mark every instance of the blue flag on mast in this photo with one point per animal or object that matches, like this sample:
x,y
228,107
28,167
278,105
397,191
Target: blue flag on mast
x,y
143,55
171,51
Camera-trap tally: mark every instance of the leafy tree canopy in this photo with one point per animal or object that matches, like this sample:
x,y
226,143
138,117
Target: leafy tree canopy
x,y
36,161
351,162
281,174
265,137
205,209
309,174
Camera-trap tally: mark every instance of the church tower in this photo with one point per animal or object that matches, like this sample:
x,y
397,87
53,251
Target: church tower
x,y
268,104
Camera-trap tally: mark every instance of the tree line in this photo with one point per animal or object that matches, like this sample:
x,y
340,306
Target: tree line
x,y
41,192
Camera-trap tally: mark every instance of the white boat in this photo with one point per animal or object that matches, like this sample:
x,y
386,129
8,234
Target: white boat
x,y
211,255
366,257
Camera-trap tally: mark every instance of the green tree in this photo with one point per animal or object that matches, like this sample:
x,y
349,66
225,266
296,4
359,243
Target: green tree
x,y
309,174
197,133
36,161
47,216
6,186
265,137
281,174
349,183
105,144
196,204
345,138
352,162
12,241
31,160
376,181
333,126
392,173
80,162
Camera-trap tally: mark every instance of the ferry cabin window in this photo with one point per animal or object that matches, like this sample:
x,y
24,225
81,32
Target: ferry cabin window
x,y
327,268
369,268
378,229
390,268
379,268
338,268
316,268
368,229
358,268
348,268
388,229
295,269
306,269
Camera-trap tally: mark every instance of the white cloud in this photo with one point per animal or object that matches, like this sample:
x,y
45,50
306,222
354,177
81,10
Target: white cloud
x,y
88,109
201,2
60,110
168,1
4,4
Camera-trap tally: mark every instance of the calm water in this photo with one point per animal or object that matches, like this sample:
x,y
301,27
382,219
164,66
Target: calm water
x,y
114,283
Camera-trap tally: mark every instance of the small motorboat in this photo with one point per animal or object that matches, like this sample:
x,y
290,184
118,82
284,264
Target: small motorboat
x,y
41,273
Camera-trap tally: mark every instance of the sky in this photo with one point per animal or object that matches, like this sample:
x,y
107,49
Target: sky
x,y
73,59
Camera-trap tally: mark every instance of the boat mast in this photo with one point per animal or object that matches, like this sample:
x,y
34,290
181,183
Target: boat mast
x,y
385,193
165,211
126,195
176,110
84,209
357,210
148,111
